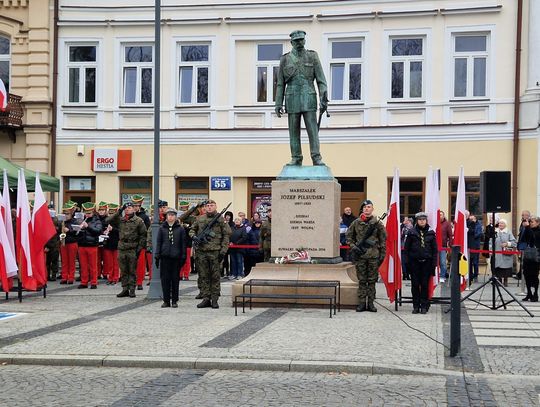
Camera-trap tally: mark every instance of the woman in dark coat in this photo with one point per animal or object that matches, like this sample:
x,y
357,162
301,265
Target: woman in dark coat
x,y
170,253
420,255
531,236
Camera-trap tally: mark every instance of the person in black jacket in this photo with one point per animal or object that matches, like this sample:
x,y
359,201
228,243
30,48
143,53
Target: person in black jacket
x,y
110,249
421,259
88,239
239,237
531,235
170,254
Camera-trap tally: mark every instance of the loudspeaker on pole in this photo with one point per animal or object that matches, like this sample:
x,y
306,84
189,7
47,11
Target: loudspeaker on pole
x,y
495,191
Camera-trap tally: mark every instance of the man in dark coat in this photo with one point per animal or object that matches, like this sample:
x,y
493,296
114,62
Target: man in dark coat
x,y
170,256
421,259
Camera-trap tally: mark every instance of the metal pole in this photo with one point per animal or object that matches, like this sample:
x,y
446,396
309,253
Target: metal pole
x,y
455,301
154,291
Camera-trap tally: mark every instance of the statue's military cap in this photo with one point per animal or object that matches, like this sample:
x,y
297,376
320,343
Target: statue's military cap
x,y
297,34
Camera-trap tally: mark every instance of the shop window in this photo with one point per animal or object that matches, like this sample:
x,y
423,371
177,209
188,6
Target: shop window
x,y
136,186
80,189
260,196
192,190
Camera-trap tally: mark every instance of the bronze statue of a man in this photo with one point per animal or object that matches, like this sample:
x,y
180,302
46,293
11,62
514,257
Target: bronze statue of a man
x,y
297,71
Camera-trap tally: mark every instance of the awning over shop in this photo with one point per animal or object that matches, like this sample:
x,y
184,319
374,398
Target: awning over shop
x,y
48,183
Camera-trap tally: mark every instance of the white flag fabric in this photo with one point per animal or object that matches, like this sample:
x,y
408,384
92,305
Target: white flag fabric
x,y
6,213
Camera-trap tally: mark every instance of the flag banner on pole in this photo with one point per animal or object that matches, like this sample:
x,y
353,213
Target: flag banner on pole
x,y
433,209
24,234
42,231
8,265
390,269
460,231
3,96
5,208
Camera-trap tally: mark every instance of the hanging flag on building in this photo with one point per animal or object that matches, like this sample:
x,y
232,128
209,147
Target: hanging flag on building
x,y
3,96
5,209
460,230
433,209
390,269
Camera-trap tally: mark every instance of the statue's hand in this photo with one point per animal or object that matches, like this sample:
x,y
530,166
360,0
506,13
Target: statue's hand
x,y
279,111
324,102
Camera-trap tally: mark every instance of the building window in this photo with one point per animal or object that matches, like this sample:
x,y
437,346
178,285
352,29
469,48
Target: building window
x,y
470,65
346,70
472,196
136,186
407,62
81,68
411,195
268,56
353,193
137,68
80,189
5,59
193,74
192,190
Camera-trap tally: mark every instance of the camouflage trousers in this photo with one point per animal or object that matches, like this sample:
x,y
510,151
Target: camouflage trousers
x,y
51,260
367,271
208,268
127,261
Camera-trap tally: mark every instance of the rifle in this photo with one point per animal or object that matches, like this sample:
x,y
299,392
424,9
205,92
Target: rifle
x,y
361,247
204,236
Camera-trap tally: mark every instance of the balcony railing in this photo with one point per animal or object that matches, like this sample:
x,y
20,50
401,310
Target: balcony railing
x,y
12,117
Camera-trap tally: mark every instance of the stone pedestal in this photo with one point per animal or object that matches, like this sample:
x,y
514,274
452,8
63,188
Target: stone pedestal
x,y
305,213
344,272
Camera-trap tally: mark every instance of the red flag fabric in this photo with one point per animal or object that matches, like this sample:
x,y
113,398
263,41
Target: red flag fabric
x,y
42,230
460,230
390,269
3,96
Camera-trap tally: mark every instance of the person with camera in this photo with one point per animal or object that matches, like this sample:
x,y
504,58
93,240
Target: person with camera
x,y
504,241
366,237
210,253
132,239
170,256
531,264
420,257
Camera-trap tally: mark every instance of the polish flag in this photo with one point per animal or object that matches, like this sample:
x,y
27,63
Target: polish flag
x,y
5,209
8,265
433,209
460,231
3,96
42,230
390,269
24,233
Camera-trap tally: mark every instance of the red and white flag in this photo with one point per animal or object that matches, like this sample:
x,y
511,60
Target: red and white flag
x,y
8,265
5,209
3,96
433,209
390,269
42,231
460,231
30,280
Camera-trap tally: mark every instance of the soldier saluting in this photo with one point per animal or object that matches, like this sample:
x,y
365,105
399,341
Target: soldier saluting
x,y
297,71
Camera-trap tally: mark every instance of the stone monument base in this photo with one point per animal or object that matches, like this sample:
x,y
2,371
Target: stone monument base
x,y
344,272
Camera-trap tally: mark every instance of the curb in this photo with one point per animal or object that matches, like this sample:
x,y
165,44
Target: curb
x,y
173,362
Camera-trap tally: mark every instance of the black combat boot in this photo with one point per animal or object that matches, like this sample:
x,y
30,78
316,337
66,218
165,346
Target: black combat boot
x,y
215,304
423,310
124,293
361,307
416,310
371,307
132,293
204,303
165,304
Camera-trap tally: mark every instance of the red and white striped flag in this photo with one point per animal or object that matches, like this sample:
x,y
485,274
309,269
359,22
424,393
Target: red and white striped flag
x,y
42,231
5,209
433,209
460,231
3,96
8,265
390,269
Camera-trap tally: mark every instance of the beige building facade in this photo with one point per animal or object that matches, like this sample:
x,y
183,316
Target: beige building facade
x,y
26,55
412,84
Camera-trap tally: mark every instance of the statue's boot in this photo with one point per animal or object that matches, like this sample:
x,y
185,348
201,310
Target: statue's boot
x,y
318,161
295,161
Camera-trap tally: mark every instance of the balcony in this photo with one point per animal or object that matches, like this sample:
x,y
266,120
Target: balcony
x,y
11,119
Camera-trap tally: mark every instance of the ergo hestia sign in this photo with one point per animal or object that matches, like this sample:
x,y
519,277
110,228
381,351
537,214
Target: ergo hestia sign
x,y
105,160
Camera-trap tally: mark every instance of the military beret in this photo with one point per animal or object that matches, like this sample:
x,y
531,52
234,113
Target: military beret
x,y
102,205
298,34
88,206
366,202
129,203
137,199
421,215
162,204
209,201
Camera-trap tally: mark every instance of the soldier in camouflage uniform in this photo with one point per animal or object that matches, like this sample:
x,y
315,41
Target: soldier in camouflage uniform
x,y
297,71
265,236
132,241
208,256
367,238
